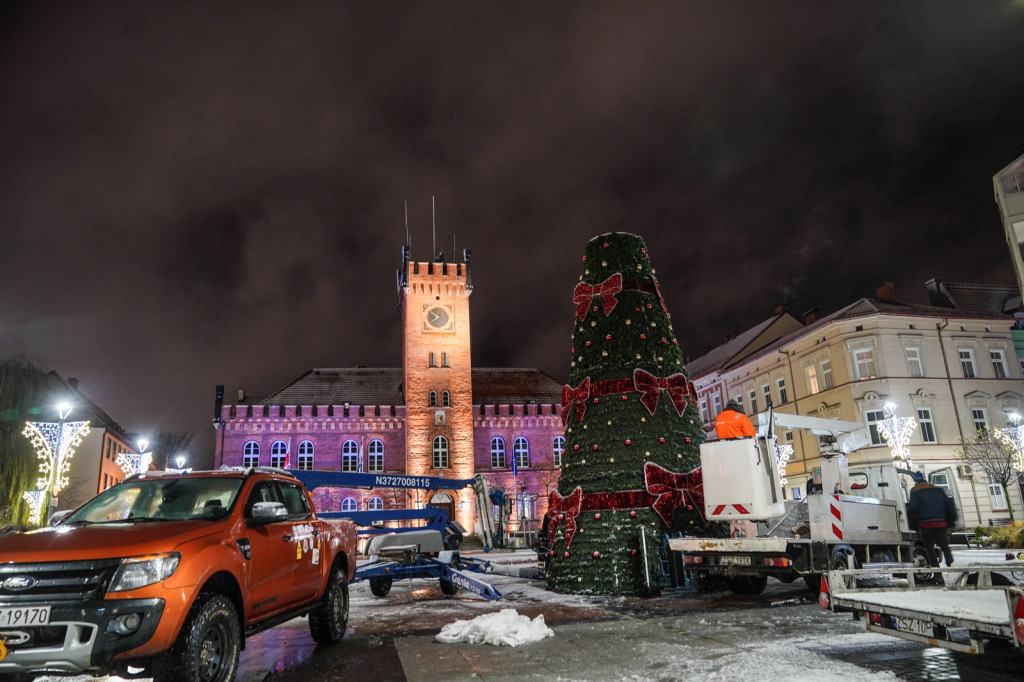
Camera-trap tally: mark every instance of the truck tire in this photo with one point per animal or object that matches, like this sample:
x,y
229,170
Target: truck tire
x,y
747,584
207,646
327,622
380,586
920,558
448,587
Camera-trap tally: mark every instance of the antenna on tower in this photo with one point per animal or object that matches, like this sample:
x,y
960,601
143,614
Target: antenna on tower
x,y
408,240
433,224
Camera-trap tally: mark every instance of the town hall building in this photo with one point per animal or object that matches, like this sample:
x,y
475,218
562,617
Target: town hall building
x,y
436,415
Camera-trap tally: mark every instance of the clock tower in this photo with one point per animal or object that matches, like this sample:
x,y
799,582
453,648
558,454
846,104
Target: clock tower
x,y
437,374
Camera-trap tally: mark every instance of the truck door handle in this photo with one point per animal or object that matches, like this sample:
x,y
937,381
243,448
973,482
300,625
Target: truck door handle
x,y
286,537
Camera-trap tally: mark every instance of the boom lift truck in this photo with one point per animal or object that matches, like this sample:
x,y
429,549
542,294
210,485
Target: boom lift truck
x,y
848,526
429,550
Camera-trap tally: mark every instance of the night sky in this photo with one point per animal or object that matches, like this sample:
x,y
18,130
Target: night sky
x,y
202,193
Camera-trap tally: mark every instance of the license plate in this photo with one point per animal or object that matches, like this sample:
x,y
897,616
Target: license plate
x,y
735,561
24,615
912,625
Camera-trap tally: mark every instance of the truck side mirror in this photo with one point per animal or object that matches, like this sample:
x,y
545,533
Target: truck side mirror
x,y
268,512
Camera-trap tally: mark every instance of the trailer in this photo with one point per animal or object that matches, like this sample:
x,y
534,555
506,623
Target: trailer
x,y
860,523
428,550
977,608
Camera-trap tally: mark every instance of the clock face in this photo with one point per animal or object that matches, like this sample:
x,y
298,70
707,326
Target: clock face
x,y
437,317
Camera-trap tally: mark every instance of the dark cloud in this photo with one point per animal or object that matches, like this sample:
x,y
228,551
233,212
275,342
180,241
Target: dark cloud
x,y
196,194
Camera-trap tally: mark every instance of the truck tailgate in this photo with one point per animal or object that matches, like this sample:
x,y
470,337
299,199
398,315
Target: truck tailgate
x,y
732,545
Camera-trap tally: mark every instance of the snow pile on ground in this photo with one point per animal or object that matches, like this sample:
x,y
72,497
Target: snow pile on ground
x,y
506,627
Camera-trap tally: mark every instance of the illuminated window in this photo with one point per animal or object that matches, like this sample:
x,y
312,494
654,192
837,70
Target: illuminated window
x,y
497,453
375,456
864,363
915,367
251,454
557,449
306,455
812,379
521,451
924,418
440,452
350,456
278,453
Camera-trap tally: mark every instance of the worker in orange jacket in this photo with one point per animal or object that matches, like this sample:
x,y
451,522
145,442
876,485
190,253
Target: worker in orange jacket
x,y
733,423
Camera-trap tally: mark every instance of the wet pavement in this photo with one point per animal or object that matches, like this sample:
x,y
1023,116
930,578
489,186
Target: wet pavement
x,y
681,635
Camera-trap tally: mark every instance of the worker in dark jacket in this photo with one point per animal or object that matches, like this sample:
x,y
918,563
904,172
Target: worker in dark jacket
x,y
733,423
931,512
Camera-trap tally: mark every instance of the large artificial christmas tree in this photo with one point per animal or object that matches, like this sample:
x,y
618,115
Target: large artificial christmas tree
x,y
633,432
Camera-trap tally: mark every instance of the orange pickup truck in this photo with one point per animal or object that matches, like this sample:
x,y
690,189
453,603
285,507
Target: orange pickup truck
x,y
169,573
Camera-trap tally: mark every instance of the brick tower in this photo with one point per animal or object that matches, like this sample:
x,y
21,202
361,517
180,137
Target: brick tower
x,y
437,375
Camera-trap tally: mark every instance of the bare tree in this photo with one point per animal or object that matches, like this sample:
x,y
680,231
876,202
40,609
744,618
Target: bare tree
x,y
168,444
995,456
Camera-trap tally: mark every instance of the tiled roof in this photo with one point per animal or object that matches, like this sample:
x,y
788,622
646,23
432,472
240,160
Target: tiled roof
x,y
993,299
720,355
383,386
500,386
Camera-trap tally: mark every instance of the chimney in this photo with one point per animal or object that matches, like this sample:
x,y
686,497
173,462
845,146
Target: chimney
x,y
73,383
886,293
241,395
781,308
811,316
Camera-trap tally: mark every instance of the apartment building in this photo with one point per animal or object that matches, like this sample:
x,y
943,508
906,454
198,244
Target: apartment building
x,y
949,365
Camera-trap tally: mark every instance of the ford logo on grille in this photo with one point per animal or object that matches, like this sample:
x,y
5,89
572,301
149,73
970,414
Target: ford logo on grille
x,y
20,583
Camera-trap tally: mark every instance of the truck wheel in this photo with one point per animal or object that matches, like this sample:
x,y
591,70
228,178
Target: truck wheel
x,y
448,587
327,622
747,584
380,586
207,646
920,557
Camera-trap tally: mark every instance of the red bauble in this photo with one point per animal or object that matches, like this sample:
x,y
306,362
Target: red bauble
x,y
661,440
643,336
633,552
632,514
597,555
608,338
595,446
566,555
687,439
597,517
629,442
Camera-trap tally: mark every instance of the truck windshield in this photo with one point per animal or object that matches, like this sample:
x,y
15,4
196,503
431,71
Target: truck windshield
x,y
160,499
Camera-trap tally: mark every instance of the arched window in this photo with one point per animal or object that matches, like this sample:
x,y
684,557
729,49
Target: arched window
x,y
306,455
374,504
251,454
497,453
440,452
521,451
375,456
433,360
278,453
433,399
349,504
557,449
444,359
446,399
349,456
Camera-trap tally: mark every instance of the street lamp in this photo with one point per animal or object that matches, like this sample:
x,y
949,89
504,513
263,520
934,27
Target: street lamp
x,y
55,444
1014,436
180,459
897,432
136,464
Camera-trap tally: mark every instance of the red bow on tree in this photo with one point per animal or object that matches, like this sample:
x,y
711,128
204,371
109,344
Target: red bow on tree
x,y
607,289
563,509
672,489
650,386
575,397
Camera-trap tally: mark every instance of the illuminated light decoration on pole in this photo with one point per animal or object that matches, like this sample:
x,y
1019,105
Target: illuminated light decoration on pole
x,y
36,501
1014,437
897,431
136,464
55,444
182,469
783,453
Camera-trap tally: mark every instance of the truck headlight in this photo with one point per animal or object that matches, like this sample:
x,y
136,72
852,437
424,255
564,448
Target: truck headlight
x,y
140,571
